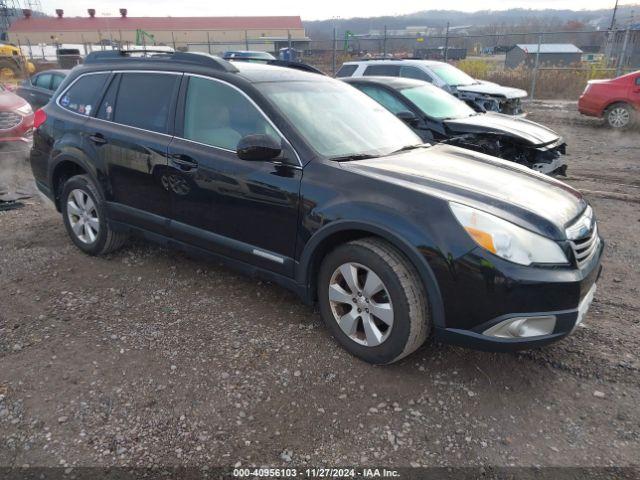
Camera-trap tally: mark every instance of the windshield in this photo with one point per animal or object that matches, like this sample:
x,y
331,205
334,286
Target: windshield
x,y
437,103
337,120
451,75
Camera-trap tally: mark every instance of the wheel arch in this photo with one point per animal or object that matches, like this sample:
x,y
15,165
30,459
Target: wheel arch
x,y
340,232
63,167
611,103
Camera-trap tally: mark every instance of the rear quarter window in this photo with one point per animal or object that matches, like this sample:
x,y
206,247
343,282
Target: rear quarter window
x,y
346,70
382,70
81,97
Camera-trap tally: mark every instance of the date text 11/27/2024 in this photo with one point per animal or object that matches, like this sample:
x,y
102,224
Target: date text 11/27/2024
x,y
316,473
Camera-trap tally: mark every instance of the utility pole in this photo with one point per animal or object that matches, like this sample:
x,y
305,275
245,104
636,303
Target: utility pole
x,y
384,43
535,68
333,49
613,17
611,36
446,43
623,52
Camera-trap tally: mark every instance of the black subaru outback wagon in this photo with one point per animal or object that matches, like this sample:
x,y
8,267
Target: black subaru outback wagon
x,y
308,182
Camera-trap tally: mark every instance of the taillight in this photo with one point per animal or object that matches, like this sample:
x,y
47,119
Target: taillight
x,y
39,118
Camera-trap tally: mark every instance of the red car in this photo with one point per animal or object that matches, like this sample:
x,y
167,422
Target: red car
x,y
16,117
617,100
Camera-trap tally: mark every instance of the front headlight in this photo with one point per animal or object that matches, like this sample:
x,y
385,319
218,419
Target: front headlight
x,y
507,240
25,109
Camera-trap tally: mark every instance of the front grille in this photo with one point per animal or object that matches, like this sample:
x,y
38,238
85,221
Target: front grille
x,y
584,239
9,120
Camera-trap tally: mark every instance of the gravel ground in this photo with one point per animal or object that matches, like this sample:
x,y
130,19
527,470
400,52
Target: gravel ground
x,y
147,357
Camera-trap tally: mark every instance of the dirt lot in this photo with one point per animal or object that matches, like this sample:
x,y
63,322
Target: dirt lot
x,y
147,357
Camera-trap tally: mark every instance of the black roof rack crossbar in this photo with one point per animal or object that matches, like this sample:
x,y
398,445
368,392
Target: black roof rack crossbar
x,y
295,65
280,63
150,54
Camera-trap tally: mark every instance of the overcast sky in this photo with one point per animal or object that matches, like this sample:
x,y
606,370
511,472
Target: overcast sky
x,y
308,10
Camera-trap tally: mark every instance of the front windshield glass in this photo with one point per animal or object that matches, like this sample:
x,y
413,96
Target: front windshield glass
x,y
451,75
437,103
338,120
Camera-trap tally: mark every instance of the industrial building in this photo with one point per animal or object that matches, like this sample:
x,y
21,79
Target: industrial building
x,y
213,34
551,54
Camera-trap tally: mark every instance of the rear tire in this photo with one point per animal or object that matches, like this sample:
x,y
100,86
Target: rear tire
x,y
85,217
620,116
377,309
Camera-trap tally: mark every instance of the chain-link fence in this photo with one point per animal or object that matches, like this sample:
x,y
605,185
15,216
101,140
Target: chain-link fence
x,y
552,65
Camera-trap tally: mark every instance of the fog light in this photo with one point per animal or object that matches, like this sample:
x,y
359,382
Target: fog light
x,y
520,327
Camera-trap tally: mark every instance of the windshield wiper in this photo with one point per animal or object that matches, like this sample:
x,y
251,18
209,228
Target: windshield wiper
x,y
354,156
406,148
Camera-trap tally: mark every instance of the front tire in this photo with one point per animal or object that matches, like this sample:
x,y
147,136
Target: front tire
x,y
620,116
372,300
85,217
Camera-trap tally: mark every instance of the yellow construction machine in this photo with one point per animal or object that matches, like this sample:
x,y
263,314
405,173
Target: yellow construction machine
x,y
13,64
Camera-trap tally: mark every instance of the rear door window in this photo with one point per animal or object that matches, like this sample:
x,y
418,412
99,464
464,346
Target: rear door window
x,y
346,70
105,112
382,70
81,97
56,81
145,100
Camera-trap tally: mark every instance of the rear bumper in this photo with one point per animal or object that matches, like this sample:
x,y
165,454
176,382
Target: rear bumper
x,y
562,294
586,107
45,190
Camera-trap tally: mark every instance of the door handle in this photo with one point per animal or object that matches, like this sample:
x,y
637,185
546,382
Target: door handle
x,y
183,162
98,139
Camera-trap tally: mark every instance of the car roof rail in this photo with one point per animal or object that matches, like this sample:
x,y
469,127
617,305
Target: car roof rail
x,y
304,67
377,59
150,55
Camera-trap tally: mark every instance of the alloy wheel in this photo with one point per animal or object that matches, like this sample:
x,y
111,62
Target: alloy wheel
x,y
361,304
619,117
83,216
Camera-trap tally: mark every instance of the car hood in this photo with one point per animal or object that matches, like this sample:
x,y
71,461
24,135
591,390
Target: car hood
x,y
517,194
10,101
492,89
524,131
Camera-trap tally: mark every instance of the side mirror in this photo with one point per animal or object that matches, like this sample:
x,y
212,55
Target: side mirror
x,y
258,147
408,117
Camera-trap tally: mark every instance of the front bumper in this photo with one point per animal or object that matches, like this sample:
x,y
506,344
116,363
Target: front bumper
x,y
557,165
22,132
502,294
